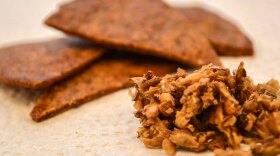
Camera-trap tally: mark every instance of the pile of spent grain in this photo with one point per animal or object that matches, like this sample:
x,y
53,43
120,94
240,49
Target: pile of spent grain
x,y
210,109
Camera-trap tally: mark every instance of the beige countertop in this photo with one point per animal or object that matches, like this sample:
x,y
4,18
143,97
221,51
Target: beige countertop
x,y
106,126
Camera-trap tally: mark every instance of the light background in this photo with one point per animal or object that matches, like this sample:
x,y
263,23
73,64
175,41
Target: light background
x,y
106,126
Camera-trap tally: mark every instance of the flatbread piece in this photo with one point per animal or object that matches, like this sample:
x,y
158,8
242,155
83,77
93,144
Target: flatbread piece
x,y
226,37
38,65
103,77
141,26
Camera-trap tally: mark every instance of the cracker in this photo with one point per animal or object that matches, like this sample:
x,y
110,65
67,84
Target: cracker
x,y
141,26
37,65
103,77
226,37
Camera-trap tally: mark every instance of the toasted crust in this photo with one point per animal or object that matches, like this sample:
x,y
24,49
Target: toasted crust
x,y
226,38
38,65
107,75
132,25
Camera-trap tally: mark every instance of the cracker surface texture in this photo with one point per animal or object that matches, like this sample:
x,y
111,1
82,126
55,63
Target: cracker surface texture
x,y
226,37
145,26
38,65
105,76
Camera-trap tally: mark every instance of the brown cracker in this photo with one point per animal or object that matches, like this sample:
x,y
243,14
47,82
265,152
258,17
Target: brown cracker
x,y
37,65
142,26
105,76
225,37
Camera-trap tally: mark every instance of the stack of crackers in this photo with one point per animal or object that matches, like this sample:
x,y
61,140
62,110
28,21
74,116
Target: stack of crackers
x,y
110,41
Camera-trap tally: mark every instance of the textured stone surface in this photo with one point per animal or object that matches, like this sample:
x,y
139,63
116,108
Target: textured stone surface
x,y
88,130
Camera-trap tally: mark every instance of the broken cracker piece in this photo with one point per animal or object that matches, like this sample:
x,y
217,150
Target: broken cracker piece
x,y
38,65
105,76
141,26
226,38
